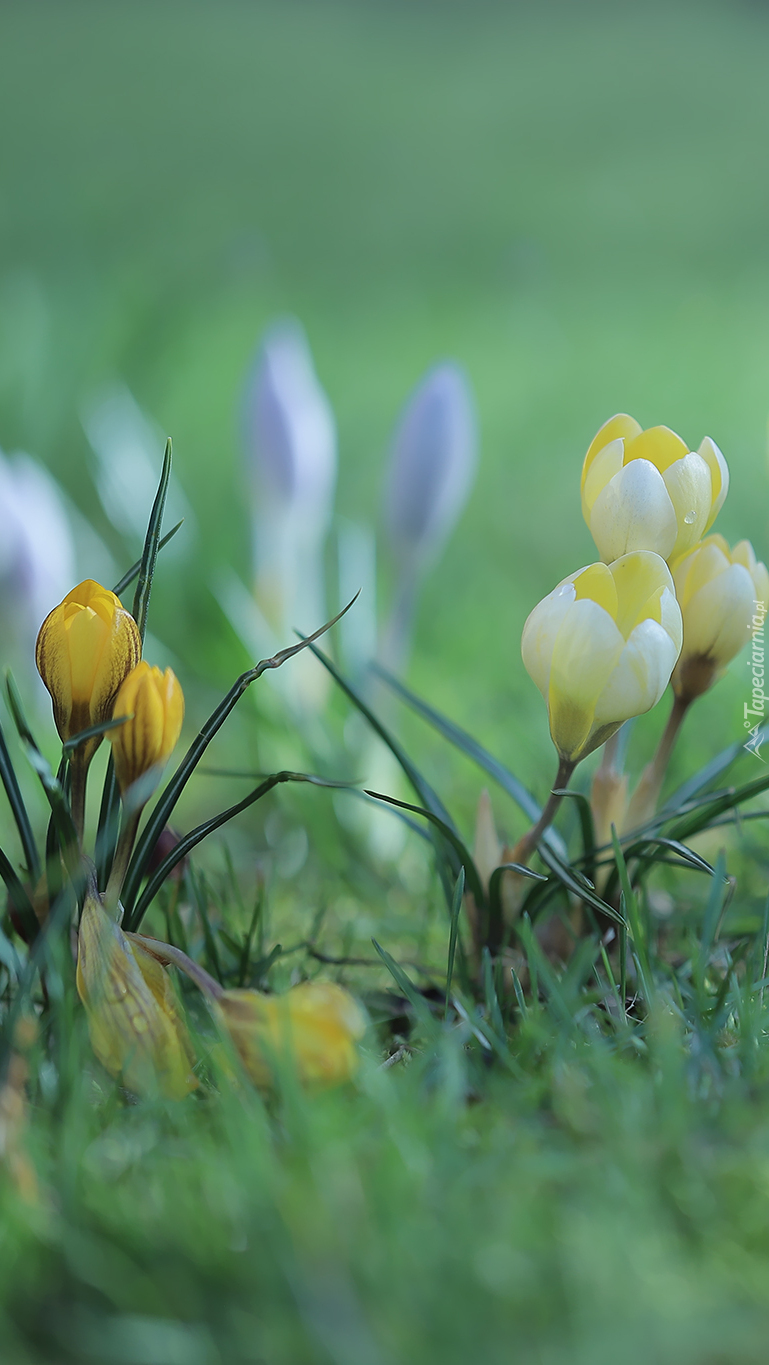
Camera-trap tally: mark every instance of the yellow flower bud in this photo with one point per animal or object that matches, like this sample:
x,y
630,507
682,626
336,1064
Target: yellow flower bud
x,y
645,490
601,648
717,591
134,1023
84,650
316,1024
155,702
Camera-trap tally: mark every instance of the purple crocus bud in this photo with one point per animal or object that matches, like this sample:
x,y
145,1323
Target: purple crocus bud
x,y
291,445
37,559
432,465
431,472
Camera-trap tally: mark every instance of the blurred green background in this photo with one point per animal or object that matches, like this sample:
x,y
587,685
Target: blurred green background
x,y
573,201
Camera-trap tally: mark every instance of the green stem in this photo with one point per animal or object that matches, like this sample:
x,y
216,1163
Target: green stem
x,y
125,843
526,846
78,769
646,795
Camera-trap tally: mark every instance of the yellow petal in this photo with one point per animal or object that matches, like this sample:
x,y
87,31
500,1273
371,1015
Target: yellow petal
x,y
155,703
620,427
659,445
133,1021
316,1024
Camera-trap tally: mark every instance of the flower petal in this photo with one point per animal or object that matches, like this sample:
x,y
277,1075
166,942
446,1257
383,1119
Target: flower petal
x,y
633,512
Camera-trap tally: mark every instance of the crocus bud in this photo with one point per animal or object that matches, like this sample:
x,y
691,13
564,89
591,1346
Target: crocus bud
x,y
315,1024
432,466
155,704
645,490
717,589
86,647
134,1024
290,438
601,648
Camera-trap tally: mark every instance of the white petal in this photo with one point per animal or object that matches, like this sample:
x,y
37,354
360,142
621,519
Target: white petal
x,y
717,619
640,676
690,487
540,631
719,473
671,619
633,512
586,650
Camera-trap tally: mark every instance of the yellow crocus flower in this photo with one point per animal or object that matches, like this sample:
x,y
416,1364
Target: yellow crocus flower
x,y
134,1024
645,490
84,650
601,648
719,591
316,1024
155,703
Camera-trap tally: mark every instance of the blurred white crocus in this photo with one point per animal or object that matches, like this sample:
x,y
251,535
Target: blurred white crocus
x,y
37,556
431,472
291,446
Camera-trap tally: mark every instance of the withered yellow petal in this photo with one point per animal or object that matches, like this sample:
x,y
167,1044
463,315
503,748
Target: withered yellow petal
x,y
134,1023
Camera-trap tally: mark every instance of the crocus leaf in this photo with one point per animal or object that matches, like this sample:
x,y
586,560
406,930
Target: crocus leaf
x,y
469,746
18,809
134,570
164,807
134,915
151,545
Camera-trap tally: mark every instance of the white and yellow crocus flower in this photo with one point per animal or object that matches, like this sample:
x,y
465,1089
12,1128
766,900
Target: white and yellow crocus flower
x,y
717,589
601,648
645,490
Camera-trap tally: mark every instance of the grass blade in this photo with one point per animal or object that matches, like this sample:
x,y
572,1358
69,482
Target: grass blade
x,y
22,905
134,570
151,546
134,915
456,906
51,785
169,797
405,986
18,809
451,837
475,751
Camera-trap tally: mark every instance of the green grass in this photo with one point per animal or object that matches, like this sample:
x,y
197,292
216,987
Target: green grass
x,y
572,201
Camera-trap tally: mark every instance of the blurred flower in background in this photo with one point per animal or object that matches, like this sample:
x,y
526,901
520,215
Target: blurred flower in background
x,y
431,471
128,447
37,552
291,446
290,442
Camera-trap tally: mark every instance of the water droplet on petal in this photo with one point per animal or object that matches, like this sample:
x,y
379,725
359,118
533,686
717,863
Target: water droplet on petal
x,y
689,518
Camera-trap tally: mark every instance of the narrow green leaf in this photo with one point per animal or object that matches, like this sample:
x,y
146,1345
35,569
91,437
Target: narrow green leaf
x,y
151,546
708,774
93,732
496,918
18,809
456,907
134,570
475,751
134,915
587,827
405,986
21,902
108,827
51,786
451,837
490,993
718,888
167,801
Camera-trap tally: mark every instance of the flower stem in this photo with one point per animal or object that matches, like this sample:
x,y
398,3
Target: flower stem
x,y
125,843
643,803
526,846
78,773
